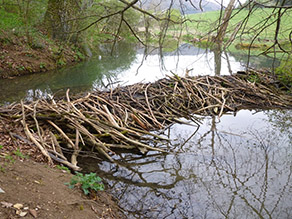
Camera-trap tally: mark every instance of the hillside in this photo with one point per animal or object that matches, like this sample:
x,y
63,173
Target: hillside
x,y
186,7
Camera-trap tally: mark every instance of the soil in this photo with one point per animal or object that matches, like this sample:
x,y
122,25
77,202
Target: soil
x,y
34,188
29,187
18,57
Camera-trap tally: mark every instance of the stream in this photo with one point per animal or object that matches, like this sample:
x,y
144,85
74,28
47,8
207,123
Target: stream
x,y
236,166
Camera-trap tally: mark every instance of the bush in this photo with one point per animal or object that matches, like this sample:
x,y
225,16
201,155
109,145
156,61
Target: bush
x,y
284,73
9,21
87,182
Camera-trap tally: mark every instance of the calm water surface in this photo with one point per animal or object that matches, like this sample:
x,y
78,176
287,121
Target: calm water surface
x,y
235,167
127,65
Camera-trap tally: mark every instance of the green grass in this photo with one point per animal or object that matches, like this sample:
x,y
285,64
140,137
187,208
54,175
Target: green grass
x,y
284,73
10,21
204,25
209,20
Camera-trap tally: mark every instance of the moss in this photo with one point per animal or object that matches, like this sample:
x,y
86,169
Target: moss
x,y
251,46
284,73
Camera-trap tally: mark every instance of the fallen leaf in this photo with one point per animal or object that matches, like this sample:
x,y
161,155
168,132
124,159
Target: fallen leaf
x,y
23,213
18,206
142,150
33,213
6,204
1,191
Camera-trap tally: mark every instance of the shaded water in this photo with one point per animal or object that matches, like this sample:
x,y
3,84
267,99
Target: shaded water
x,y
238,167
127,65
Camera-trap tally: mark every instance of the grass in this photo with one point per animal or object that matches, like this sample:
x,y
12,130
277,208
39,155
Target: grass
x,y
10,21
284,73
203,26
208,21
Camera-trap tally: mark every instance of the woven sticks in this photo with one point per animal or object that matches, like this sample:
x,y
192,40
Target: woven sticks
x,y
126,116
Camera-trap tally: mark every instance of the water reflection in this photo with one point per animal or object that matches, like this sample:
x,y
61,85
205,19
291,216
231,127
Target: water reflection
x,y
238,167
95,73
127,65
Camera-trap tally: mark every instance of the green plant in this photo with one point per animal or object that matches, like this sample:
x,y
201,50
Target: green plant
x,y
61,62
63,168
18,153
1,146
284,72
87,182
2,169
10,158
80,55
21,68
42,65
253,78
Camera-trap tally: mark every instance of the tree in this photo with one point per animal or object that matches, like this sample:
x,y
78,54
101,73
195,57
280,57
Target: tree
x,y
224,24
61,19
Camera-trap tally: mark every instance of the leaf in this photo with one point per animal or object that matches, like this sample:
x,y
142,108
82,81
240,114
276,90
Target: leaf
x,y
2,191
6,204
23,214
86,192
33,213
18,206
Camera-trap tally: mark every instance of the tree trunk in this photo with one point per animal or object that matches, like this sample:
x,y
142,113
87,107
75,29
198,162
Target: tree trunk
x,y
222,29
61,19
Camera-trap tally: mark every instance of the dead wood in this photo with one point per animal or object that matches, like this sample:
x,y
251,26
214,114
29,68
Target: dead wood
x,y
126,117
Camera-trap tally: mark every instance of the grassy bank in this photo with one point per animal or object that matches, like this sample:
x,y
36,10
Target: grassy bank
x,y
256,33
206,23
26,48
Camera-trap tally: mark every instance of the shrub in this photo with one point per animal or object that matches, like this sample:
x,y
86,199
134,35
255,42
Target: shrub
x,y
284,73
87,182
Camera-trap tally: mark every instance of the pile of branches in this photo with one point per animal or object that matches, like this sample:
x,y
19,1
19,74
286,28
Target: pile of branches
x,y
126,117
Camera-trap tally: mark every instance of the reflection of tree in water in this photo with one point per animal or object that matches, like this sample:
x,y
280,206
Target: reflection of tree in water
x,y
281,119
216,174
96,72
256,61
245,173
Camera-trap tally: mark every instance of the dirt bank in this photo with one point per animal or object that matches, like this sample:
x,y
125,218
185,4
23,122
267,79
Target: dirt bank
x,y
40,188
17,57
41,191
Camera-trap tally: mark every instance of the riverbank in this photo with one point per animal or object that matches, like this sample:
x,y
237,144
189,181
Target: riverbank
x,y
18,57
36,190
31,188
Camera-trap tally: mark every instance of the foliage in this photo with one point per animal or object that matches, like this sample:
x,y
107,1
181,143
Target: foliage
x,y
107,30
9,21
21,16
63,168
87,182
9,158
284,72
18,153
253,78
204,22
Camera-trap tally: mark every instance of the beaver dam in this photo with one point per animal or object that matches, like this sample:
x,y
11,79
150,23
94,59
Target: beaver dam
x,y
126,117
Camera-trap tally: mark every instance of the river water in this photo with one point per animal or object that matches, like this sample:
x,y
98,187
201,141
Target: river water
x,y
127,65
238,166
235,167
